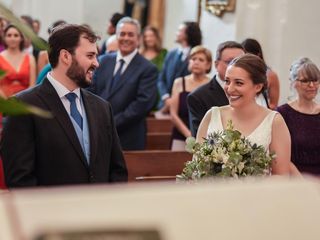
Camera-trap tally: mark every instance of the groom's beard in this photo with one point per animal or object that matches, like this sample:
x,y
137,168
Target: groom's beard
x,y
77,74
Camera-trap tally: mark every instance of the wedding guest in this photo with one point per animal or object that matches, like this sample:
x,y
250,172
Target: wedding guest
x,y
2,26
20,67
36,26
176,62
79,144
29,46
273,86
111,30
211,94
128,81
152,50
302,116
112,44
200,63
151,47
245,78
43,65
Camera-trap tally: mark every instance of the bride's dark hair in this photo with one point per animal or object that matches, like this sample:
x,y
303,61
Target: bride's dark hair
x,y
255,66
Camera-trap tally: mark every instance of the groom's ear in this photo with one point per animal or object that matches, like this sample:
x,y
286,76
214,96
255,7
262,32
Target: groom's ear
x,y
65,57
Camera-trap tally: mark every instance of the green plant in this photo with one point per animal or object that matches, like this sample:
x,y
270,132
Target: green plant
x,y
12,106
226,154
25,29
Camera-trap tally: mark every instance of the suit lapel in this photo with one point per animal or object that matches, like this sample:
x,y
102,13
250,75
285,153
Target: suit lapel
x,y
91,111
49,95
177,56
126,74
108,75
180,66
219,92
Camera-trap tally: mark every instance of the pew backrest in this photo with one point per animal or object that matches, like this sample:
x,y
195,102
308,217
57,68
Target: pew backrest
x,y
155,164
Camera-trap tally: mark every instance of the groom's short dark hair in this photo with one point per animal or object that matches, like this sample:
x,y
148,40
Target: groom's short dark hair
x,y
67,36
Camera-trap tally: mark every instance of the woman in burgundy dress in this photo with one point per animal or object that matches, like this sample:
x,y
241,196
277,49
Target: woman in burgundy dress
x,y
302,116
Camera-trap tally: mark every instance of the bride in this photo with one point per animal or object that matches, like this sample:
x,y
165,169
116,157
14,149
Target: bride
x,y
245,79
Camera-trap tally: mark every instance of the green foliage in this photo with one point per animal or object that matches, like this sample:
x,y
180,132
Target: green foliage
x,y
2,74
226,154
14,107
26,30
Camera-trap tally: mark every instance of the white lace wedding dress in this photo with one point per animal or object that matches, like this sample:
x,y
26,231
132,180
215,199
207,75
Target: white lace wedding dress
x,y
261,135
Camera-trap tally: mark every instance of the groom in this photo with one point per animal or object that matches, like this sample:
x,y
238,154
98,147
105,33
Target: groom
x,y
79,145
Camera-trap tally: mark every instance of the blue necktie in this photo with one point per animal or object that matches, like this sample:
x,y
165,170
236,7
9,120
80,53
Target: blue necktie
x,y
117,76
73,108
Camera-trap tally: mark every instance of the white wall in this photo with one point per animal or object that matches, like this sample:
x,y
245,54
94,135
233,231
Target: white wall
x,y
177,11
216,30
286,29
96,13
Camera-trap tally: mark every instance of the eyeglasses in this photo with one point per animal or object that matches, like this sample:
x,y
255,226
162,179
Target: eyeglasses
x,y
307,82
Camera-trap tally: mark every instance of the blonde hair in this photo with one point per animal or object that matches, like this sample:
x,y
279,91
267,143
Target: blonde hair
x,y
201,49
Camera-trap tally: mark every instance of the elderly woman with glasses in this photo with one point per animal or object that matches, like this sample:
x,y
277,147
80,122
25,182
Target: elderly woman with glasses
x,y
302,116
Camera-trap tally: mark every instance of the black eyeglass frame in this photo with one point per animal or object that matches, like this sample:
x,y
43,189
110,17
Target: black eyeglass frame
x,y
307,82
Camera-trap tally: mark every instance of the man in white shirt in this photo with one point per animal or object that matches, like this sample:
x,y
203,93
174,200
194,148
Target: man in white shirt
x,y
79,145
128,81
176,61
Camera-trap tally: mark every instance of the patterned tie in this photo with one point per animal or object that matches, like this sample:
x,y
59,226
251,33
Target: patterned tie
x,y
117,76
73,108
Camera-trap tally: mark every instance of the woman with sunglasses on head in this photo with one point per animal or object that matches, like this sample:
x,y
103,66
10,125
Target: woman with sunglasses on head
x,y
302,116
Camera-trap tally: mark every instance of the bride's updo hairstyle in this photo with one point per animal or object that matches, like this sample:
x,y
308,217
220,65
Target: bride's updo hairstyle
x,y
255,67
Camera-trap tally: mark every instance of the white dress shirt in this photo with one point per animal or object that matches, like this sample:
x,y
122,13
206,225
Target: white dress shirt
x,y
62,91
127,59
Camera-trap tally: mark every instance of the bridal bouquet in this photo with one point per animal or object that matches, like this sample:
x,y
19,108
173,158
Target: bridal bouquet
x,y
226,154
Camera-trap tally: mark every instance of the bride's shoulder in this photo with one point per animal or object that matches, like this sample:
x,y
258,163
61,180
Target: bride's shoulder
x,y
224,109
219,110
278,120
267,112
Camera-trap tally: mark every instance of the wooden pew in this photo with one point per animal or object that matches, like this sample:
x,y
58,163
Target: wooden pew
x,y
155,164
155,125
158,141
158,134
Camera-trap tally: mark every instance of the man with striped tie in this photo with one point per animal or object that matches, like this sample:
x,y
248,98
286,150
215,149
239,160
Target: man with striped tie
x,y
79,145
